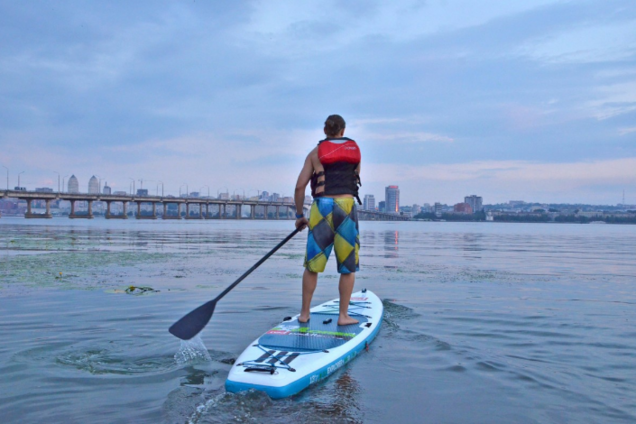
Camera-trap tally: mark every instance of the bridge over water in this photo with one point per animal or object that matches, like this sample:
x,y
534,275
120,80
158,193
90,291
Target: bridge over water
x,y
203,205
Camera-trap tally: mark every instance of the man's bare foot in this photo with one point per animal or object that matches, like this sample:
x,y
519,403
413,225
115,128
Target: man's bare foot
x,y
347,321
303,319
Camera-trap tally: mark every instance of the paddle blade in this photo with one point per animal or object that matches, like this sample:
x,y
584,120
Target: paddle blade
x,y
192,323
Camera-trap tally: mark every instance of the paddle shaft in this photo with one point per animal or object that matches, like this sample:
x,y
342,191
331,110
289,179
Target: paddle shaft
x,y
256,265
193,322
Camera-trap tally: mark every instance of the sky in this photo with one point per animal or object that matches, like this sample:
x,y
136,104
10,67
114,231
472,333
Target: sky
x,y
529,100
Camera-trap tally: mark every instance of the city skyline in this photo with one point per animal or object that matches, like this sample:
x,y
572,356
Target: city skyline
x,y
510,99
471,209
72,185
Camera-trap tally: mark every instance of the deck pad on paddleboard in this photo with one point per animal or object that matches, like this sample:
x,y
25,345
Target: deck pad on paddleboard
x,y
293,355
320,333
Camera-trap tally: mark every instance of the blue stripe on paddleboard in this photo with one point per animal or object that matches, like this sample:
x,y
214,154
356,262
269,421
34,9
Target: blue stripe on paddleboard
x,y
304,382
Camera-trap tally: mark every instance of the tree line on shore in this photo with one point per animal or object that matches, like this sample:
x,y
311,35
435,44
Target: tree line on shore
x,y
537,217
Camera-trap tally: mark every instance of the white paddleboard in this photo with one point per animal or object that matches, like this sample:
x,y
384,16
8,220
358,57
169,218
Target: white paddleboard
x,y
292,356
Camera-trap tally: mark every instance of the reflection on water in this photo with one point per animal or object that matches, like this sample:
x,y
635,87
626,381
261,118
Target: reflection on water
x,y
391,240
515,323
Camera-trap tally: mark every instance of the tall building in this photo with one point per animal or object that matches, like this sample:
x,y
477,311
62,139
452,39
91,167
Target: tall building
x,y
73,185
369,202
437,209
93,185
392,198
382,206
475,203
106,189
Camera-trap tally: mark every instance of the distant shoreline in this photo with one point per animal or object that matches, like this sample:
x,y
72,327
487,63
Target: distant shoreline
x,y
495,221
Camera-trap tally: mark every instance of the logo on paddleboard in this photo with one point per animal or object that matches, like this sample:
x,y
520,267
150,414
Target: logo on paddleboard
x,y
278,331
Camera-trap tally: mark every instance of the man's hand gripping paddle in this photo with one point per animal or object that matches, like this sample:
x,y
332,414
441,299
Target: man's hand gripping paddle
x,y
191,324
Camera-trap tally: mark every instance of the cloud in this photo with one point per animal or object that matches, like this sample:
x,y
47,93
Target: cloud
x,y
499,181
625,131
218,93
617,171
615,99
586,43
411,137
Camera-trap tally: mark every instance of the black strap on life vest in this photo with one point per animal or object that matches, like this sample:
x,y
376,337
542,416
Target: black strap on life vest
x,y
340,178
315,184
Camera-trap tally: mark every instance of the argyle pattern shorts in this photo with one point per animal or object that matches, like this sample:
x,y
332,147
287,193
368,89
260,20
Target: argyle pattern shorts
x,y
333,223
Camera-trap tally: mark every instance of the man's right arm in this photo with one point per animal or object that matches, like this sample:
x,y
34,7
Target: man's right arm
x,y
301,185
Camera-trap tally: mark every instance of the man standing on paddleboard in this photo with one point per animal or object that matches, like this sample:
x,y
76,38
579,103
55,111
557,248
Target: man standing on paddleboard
x,y
333,168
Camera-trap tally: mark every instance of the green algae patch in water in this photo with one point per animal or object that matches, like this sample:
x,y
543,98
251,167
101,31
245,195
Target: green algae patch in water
x,y
134,291
70,270
208,286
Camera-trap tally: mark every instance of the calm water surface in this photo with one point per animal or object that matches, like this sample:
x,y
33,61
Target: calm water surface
x,y
485,323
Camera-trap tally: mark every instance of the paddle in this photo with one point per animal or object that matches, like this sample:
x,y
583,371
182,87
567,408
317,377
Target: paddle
x,y
190,325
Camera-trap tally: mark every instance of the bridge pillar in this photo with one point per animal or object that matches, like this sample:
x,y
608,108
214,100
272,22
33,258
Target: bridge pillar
x,y
165,212
277,212
138,209
124,203
187,210
154,210
252,211
29,213
109,213
222,215
266,217
90,208
238,211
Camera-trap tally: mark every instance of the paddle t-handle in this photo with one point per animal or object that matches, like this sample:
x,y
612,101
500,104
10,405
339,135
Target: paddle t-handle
x,y
192,323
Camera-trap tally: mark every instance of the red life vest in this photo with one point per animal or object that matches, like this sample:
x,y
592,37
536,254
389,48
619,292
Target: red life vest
x,y
340,158
343,149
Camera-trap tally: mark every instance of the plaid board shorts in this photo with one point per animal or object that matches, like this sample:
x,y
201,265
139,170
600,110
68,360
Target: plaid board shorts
x,y
333,223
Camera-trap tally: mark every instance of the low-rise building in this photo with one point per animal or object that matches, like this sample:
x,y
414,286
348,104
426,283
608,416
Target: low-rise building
x,y
463,208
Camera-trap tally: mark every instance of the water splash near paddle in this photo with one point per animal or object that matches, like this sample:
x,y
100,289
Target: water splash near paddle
x,y
192,350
